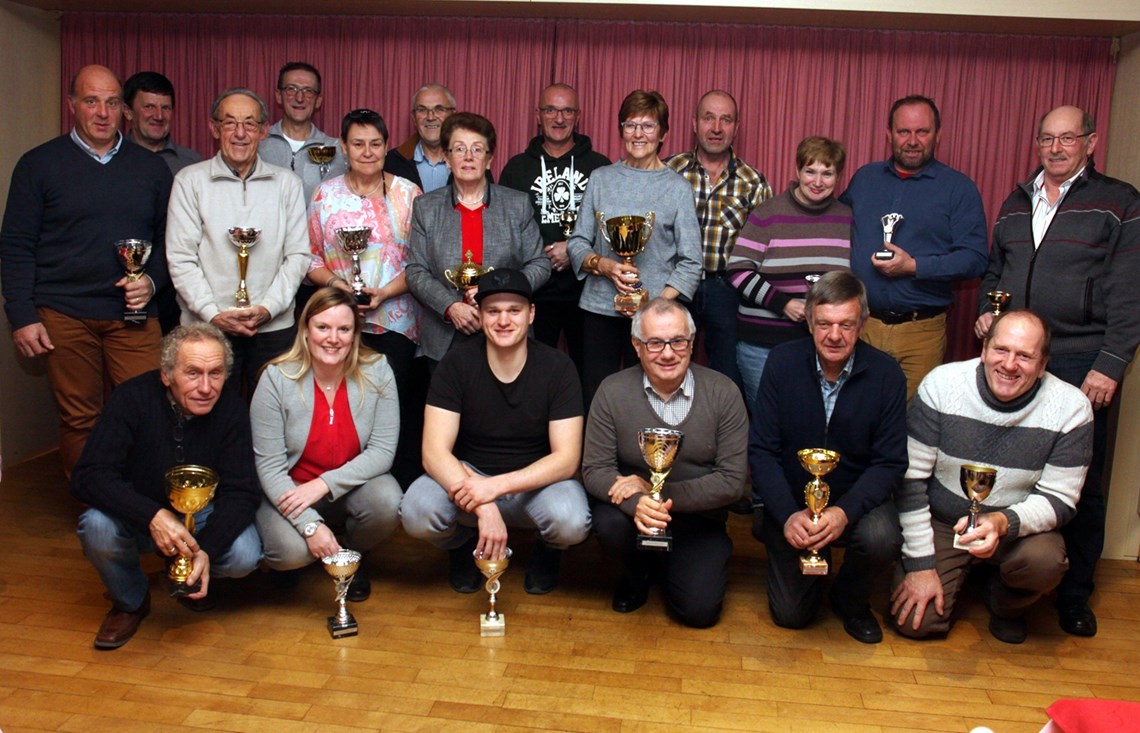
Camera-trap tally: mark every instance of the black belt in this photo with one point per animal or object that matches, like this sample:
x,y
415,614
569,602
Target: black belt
x,y
893,318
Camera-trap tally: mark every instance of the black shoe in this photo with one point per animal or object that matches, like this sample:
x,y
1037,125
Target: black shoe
x,y
463,575
1076,618
360,587
542,575
632,592
1008,630
862,626
284,579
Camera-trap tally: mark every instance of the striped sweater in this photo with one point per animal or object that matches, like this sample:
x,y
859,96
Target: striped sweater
x,y
1040,444
782,242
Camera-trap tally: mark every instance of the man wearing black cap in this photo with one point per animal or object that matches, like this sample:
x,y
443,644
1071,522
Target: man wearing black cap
x,y
502,442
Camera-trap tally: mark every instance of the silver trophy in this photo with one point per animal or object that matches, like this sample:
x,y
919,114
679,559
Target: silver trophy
x,y
890,221
243,238
342,566
354,240
133,254
492,623
568,219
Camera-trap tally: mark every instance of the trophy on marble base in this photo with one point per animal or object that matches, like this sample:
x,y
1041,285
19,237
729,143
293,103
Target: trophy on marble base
x,y
323,156
890,221
998,300
190,488
342,566
818,462
354,241
492,623
568,219
243,238
467,274
627,237
977,482
133,255
659,448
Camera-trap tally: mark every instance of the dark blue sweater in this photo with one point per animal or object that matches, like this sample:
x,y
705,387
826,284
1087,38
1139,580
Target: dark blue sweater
x,y
65,211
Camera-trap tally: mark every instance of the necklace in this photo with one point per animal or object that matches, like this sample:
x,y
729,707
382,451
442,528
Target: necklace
x,y
477,202
383,182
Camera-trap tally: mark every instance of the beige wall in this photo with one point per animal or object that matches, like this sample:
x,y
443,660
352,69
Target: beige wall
x,y
29,55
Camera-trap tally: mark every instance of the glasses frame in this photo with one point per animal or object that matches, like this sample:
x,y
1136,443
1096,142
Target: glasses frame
x,y
656,346
292,90
1040,139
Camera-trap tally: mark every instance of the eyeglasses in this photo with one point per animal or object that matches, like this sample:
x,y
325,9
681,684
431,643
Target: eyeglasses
x,y
679,345
460,150
421,111
231,125
1067,140
555,111
293,90
648,128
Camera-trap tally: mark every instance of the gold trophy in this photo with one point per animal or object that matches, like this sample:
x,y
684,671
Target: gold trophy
x,y
354,240
890,221
492,623
998,299
627,237
342,565
659,448
190,488
977,482
467,274
818,462
323,155
243,238
133,254
568,219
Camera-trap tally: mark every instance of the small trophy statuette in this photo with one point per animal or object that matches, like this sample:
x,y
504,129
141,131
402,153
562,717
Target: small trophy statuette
x,y
659,448
998,299
342,565
133,255
492,623
354,240
627,237
467,274
890,221
568,219
323,155
977,482
818,462
190,488
243,238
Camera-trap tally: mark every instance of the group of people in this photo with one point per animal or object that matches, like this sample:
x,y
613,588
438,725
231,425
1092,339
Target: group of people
x,y
402,386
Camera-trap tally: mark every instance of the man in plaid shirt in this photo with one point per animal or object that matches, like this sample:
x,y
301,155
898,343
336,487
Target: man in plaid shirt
x,y
726,189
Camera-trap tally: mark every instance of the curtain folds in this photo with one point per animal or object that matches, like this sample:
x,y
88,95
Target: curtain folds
x,y
789,82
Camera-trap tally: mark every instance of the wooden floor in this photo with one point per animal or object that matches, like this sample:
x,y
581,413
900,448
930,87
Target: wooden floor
x,y
263,660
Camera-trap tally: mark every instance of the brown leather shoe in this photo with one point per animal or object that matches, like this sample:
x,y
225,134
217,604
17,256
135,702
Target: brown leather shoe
x,y
119,626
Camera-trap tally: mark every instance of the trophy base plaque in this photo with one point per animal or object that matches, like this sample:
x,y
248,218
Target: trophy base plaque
x,y
496,626
658,542
340,629
884,254
967,546
179,588
134,318
362,298
629,301
813,565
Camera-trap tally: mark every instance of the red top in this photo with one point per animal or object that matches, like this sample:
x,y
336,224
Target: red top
x,y
332,441
471,239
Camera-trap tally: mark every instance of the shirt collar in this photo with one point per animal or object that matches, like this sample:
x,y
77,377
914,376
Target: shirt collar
x,y
104,158
1039,182
844,373
686,388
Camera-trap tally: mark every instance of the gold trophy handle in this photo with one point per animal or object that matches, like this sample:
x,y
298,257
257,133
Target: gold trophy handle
x,y
449,275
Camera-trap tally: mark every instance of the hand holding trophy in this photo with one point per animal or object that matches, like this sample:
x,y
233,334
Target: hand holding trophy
x,y
627,236
243,238
890,221
659,448
190,489
354,241
977,482
492,623
133,255
818,462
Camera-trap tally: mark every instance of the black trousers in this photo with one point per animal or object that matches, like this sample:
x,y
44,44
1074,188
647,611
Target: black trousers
x,y
605,352
554,318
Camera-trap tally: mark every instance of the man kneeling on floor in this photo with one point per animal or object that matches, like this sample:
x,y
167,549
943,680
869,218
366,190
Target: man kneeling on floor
x,y
176,415
1003,412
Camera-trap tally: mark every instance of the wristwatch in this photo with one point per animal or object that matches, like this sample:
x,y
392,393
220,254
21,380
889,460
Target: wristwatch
x,y
310,529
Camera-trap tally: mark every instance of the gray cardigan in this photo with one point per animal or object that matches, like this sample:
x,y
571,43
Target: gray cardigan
x,y
511,238
282,412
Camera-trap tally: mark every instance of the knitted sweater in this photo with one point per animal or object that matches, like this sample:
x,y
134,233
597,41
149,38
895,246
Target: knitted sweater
x,y
1040,444
783,241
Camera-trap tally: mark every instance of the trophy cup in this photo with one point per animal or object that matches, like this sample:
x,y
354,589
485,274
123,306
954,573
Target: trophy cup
x,y
133,254
467,274
890,221
659,448
323,155
492,623
190,488
812,279
342,565
243,238
354,240
818,462
568,219
977,482
998,299
627,237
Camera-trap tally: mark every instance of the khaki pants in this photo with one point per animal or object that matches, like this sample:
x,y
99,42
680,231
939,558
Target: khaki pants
x,y
918,346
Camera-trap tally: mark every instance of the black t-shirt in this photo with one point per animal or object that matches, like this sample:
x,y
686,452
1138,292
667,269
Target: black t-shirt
x,y
505,427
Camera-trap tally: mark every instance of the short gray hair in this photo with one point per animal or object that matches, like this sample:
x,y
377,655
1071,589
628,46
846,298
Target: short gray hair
x,y
661,306
235,91
193,333
832,288
446,92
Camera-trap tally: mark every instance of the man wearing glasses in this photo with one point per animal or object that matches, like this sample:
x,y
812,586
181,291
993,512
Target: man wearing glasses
x,y
835,392
554,171
708,474
236,188
1067,244
290,138
421,158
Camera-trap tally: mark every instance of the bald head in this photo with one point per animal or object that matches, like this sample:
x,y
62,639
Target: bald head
x,y
1066,139
97,105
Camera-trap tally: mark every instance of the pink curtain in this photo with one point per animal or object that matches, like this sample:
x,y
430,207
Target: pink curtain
x,y
790,82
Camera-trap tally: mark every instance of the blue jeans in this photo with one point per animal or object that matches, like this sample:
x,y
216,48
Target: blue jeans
x,y
750,359
714,310
114,548
559,512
